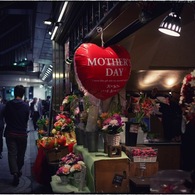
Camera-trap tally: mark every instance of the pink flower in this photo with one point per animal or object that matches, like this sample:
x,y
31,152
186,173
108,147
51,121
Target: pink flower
x,y
113,124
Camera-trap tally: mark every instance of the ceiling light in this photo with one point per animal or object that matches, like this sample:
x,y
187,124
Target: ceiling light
x,y
59,19
171,25
50,33
48,21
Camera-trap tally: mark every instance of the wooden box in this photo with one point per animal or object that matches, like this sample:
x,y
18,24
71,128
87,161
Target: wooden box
x,y
54,155
105,171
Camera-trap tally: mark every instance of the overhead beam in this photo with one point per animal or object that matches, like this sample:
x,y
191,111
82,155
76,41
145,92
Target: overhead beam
x,y
137,24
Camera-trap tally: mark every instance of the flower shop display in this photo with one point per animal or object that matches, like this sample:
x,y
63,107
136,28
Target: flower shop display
x,y
66,103
64,125
187,102
46,142
42,124
111,125
187,97
72,170
143,154
80,129
144,106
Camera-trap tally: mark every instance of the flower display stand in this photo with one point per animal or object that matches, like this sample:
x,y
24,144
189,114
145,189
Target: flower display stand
x,y
114,151
101,171
112,145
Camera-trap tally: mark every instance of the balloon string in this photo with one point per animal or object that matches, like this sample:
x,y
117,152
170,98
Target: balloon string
x,y
100,30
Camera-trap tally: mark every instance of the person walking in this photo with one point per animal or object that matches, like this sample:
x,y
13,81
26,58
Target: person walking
x,y
36,111
16,118
2,123
46,106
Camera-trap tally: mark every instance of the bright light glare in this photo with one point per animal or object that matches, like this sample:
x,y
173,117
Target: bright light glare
x,y
169,32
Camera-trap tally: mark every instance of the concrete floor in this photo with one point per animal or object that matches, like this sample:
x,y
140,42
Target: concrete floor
x,y
27,183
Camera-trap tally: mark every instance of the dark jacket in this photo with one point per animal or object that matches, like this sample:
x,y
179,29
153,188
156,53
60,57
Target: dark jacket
x,y
2,108
16,117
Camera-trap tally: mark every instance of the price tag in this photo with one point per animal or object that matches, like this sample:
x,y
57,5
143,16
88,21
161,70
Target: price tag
x,y
117,180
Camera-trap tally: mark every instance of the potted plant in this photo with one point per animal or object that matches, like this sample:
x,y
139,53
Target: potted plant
x,y
72,167
111,125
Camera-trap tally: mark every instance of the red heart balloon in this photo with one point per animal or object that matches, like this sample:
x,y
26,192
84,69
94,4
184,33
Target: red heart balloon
x,y
103,72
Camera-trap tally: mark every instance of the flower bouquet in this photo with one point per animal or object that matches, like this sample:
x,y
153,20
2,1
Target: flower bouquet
x,y
111,123
64,125
72,167
67,101
46,143
144,107
42,124
187,97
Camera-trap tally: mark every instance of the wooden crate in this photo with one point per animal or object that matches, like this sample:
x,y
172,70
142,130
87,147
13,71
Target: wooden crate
x,y
54,155
105,171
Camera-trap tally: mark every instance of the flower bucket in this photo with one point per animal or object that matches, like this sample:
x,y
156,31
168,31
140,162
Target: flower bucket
x,y
131,133
124,119
92,141
113,139
85,139
64,179
100,141
79,179
79,136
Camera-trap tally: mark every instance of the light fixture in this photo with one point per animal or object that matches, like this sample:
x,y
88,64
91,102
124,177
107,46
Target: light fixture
x,y
48,21
49,32
59,19
68,61
51,21
171,25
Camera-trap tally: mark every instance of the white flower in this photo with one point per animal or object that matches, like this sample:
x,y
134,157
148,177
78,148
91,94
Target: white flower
x,y
184,80
193,73
65,101
192,83
114,122
81,162
105,127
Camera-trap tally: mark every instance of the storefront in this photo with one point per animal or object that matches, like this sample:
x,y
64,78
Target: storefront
x,y
154,58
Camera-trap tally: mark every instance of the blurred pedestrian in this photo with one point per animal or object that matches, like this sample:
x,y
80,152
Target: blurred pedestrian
x,y
16,118
46,105
35,111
